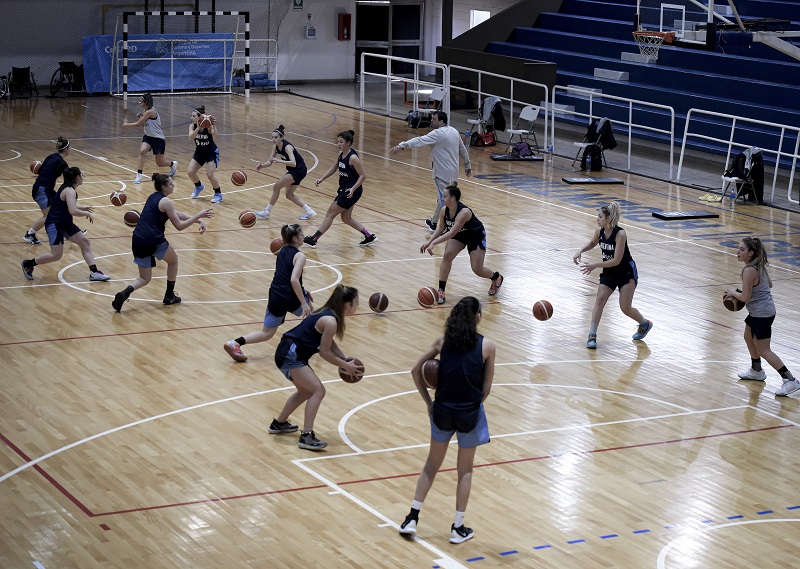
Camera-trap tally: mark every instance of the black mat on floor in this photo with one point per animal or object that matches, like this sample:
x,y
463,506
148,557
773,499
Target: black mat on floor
x,y
517,158
592,180
677,215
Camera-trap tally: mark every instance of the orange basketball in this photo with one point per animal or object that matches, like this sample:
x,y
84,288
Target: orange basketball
x,y
427,297
247,219
276,245
205,121
542,310
131,218
346,377
118,198
378,302
430,373
238,178
733,304
35,165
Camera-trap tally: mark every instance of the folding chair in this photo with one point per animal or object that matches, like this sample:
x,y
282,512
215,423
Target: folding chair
x,y
599,133
527,116
436,98
21,80
747,176
486,116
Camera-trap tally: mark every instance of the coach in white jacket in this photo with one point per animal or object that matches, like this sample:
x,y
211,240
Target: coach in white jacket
x,y
446,146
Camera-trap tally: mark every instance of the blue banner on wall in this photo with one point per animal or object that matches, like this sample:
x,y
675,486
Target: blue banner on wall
x,y
160,62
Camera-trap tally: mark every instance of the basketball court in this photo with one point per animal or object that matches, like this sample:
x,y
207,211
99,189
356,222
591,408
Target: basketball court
x,y
132,440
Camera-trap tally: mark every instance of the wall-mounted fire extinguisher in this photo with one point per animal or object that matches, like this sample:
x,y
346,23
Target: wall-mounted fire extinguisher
x,y
345,28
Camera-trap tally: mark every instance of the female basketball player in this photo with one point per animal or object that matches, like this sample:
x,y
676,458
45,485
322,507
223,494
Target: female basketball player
x,y
205,152
312,335
295,172
43,188
153,137
466,371
148,242
286,293
60,225
619,271
460,228
757,297
351,180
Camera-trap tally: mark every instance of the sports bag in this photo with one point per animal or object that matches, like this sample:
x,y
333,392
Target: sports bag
x,y
482,139
521,149
418,120
594,151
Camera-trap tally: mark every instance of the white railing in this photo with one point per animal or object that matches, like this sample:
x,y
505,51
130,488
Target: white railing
x,y
596,98
511,99
780,129
414,80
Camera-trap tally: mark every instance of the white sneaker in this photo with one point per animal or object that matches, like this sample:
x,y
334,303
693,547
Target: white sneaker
x,y
754,375
217,198
408,527
98,276
263,214
137,179
309,214
173,168
197,190
789,386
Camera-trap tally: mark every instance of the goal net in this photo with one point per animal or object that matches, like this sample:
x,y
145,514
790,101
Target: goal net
x,y
180,52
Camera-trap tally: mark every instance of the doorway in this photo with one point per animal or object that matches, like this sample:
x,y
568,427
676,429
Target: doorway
x,y
389,28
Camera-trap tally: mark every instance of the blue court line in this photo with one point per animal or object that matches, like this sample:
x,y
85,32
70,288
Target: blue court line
x,y
765,512
793,508
737,517
609,536
641,531
542,546
471,559
574,541
512,552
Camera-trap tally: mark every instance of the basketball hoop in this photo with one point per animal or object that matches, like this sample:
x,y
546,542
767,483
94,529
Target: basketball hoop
x,y
650,42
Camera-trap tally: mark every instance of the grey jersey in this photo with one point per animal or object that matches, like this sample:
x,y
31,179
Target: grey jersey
x,y
761,304
152,127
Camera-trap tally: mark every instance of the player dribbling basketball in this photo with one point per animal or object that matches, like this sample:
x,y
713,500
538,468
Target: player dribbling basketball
x,y
44,187
206,154
153,138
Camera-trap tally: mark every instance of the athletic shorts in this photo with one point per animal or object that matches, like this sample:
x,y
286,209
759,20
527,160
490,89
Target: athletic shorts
x,y
760,327
343,201
157,145
203,158
58,232
145,254
445,424
41,196
297,174
620,279
286,357
277,316
472,240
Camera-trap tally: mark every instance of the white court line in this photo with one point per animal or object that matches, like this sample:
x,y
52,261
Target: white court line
x,y
18,154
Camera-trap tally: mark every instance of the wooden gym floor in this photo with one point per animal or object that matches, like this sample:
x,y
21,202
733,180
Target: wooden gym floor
x,y
132,440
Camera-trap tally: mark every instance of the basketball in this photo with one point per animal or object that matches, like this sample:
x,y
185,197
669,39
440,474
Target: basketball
x,y
378,302
205,121
733,304
276,245
352,378
35,165
247,219
542,310
118,198
238,178
131,218
430,374
427,297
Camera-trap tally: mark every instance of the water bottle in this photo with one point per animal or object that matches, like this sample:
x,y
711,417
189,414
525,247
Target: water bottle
x,y
589,162
550,153
731,198
466,137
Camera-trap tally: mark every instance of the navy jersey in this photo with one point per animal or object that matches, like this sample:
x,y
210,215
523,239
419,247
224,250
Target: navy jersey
x,y
608,246
305,335
299,163
152,222
51,169
204,142
472,226
347,173
461,377
59,210
281,287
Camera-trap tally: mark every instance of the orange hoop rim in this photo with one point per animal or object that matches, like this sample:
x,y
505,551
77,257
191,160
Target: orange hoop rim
x,y
667,37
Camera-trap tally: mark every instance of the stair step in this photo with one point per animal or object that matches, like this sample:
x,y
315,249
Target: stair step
x,y
611,74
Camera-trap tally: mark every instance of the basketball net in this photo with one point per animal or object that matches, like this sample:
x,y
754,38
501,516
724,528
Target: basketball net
x,y
650,42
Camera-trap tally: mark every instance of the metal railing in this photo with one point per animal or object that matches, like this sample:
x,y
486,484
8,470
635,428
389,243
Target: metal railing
x,y
414,80
781,131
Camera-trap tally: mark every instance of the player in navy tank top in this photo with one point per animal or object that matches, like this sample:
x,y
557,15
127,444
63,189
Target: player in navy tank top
x,y
205,153
466,372
459,227
295,172
619,271
153,138
286,293
315,334
351,182
148,242
43,189
60,225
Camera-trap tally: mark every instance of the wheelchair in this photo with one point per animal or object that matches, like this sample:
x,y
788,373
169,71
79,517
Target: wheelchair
x,y
68,79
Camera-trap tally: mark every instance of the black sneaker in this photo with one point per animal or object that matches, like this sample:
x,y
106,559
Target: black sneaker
x,y
172,299
431,225
276,428
409,526
308,240
309,442
367,240
31,238
27,270
460,534
119,299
